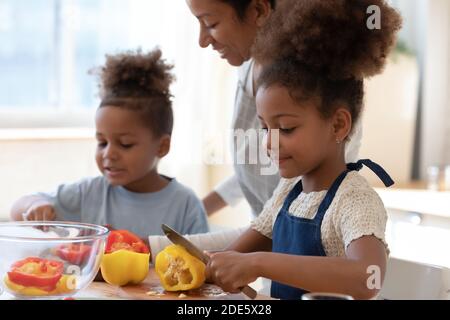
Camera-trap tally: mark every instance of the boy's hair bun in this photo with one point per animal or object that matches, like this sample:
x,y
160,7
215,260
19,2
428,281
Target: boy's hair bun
x,y
139,82
134,74
329,37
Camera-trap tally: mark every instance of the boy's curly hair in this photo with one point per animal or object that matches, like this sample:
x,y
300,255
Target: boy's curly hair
x,y
325,49
140,82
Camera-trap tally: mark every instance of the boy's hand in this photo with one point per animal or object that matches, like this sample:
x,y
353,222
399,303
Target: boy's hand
x,y
40,211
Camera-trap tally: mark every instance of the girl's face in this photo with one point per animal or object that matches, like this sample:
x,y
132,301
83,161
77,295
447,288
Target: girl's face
x,y
306,140
221,28
127,152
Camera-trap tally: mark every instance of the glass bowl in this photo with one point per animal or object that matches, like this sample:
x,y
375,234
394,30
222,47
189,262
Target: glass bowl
x,y
49,260
326,296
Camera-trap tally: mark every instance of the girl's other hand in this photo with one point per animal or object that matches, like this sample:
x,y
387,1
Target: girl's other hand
x,y
40,211
231,270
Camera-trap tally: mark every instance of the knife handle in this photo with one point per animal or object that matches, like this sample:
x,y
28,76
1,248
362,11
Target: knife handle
x,y
249,292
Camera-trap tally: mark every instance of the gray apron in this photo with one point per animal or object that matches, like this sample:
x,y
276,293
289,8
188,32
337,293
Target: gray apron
x,y
256,187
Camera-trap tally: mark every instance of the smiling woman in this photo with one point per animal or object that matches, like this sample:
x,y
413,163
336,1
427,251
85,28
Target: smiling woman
x,y
219,21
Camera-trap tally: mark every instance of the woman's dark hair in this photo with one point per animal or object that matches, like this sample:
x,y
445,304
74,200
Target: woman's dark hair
x,y
325,49
140,82
241,6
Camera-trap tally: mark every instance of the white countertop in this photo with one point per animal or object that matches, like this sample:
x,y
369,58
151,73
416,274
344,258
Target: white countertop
x,y
421,201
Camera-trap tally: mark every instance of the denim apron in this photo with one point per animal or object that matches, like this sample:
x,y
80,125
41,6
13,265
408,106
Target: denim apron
x,y
301,236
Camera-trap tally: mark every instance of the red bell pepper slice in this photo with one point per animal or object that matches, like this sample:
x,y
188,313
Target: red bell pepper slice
x,y
74,253
124,239
36,272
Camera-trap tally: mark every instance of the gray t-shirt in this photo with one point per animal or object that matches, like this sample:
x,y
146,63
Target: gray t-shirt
x,y
94,200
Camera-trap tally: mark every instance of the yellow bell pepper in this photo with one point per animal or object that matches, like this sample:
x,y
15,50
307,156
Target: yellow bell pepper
x,y
62,287
178,270
126,259
122,267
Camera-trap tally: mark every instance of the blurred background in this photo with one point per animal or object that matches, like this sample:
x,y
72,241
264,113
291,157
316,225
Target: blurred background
x,y
48,101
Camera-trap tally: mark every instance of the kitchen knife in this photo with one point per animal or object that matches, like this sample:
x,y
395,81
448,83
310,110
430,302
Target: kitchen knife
x,y
177,238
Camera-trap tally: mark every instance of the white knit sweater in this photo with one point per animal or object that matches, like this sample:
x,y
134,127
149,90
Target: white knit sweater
x,y
356,211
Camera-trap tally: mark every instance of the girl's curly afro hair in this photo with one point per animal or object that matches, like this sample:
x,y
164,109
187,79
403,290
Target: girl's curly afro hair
x,y
139,82
326,48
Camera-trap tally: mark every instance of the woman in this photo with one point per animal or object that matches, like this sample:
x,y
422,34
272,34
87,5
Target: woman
x,y
230,27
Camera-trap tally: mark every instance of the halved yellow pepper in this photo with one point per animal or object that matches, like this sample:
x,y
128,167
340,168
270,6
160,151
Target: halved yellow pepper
x,y
62,287
122,267
178,270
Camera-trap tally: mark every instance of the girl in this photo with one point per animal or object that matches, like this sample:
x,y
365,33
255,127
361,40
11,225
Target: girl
x,y
134,126
325,231
230,28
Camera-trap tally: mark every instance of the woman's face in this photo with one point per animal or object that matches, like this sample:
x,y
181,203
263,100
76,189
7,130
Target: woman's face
x,y
221,28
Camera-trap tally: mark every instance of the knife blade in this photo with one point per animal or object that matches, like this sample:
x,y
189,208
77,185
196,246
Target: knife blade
x,y
177,238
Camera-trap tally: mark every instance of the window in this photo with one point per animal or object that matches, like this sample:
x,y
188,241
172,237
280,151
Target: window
x,y
48,46
26,54
46,52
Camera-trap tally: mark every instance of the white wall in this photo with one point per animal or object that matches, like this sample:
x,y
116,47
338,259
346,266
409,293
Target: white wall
x,y
389,119
28,166
436,99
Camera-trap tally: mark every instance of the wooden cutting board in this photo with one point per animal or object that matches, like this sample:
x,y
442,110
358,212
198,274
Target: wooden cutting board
x,y
151,289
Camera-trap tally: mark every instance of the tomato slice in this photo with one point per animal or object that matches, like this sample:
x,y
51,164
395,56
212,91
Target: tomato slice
x,y
74,253
36,272
124,239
